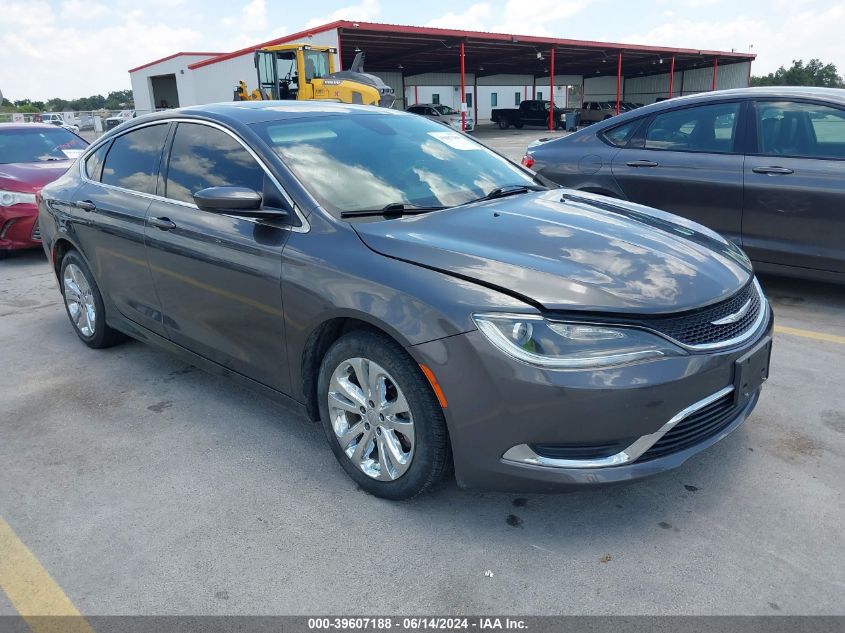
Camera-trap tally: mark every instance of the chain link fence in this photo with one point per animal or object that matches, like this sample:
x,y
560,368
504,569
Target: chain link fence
x,y
90,124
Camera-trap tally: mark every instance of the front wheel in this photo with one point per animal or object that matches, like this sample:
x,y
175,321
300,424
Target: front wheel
x,y
381,417
84,304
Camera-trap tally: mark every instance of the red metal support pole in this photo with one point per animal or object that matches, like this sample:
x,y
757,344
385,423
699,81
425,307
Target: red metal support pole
x,y
715,72
463,93
552,90
618,82
671,76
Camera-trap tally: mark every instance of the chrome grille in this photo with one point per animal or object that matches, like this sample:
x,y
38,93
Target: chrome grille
x,y
697,328
696,427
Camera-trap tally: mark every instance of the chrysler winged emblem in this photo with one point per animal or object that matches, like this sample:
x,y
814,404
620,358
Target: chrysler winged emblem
x,y
736,316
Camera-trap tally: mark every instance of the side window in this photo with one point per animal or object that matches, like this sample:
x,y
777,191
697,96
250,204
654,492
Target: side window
x,y
132,162
202,157
708,128
621,134
94,163
800,129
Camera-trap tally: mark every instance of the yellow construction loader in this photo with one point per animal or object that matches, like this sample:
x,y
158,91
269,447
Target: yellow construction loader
x,y
306,72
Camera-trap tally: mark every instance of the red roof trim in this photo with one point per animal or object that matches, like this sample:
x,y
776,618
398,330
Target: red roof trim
x,y
174,55
502,37
427,30
287,38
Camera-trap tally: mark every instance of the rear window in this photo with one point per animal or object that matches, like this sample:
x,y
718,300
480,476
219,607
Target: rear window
x,y
39,145
621,134
133,160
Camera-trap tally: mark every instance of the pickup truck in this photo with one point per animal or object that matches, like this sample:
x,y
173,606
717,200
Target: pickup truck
x,y
530,112
595,111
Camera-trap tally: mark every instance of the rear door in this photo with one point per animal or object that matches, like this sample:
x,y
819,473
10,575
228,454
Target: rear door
x,y
795,186
119,183
219,276
688,161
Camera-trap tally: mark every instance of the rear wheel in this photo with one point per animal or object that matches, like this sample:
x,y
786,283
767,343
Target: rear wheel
x,y
381,418
84,304
503,124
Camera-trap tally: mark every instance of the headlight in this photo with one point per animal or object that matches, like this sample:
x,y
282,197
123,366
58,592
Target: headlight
x,y
536,341
8,198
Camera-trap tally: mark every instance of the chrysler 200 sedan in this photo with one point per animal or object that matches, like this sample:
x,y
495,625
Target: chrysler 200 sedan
x,y
765,167
432,304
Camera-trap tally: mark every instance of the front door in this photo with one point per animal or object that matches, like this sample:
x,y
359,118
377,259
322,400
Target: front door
x,y
219,276
795,186
688,162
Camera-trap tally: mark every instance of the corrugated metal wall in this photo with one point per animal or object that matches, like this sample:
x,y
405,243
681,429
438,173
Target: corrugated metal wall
x,y
648,89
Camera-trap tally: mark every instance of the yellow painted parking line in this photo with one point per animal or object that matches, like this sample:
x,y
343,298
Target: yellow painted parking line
x,y
32,591
818,336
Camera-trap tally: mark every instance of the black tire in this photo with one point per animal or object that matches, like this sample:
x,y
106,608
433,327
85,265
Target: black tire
x,y
503,124
103,335
3,253
432,457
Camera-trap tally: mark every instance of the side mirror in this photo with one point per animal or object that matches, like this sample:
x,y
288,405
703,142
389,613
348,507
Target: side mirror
x,y
239,201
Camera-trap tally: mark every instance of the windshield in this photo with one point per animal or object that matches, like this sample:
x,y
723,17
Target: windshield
x,y
368,161
444,109
39,144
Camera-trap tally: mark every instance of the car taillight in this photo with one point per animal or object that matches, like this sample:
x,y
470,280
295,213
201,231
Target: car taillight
x,y
528,161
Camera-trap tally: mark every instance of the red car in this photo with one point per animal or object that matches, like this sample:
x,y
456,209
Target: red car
x,y
31,156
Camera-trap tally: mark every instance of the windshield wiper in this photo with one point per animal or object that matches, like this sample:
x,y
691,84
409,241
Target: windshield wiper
x,y
507,190
392,209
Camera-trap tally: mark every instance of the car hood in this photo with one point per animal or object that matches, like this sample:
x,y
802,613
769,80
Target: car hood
x,y
565,250
31,177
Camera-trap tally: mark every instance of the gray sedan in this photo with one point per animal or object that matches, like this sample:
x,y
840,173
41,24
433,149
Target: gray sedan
x,y
429,303
764,167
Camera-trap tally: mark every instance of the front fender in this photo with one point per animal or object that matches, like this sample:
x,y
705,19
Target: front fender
x,y
329,274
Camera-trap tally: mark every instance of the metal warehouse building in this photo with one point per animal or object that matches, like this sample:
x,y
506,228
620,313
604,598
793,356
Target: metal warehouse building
x,y
490,70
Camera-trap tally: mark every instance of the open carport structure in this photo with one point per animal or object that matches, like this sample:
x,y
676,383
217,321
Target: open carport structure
x,y
476,71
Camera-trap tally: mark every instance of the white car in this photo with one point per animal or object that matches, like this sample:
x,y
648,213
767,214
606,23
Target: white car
x,y
442,114
54,118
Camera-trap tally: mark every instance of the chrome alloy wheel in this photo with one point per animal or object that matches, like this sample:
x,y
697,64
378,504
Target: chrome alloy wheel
x,y
371,419
79,299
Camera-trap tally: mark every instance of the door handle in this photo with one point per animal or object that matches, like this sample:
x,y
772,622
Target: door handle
x,y
772,171
86,205
641,163
165,224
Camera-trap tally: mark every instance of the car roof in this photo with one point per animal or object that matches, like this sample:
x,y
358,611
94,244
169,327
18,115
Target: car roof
x,y
237,114
26,126
834,95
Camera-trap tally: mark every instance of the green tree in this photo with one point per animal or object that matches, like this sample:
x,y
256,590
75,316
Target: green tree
x,y
119,100
813,73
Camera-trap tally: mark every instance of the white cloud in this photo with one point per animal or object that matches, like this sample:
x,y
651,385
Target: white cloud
x,y
254,14
366,11
537,17
80,9
808,33
84,68
475,18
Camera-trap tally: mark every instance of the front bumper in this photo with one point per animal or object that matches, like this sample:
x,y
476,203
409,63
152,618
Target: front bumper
x,y
18,227
498,407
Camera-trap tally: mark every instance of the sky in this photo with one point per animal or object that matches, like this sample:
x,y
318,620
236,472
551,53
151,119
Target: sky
x,y
76,48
